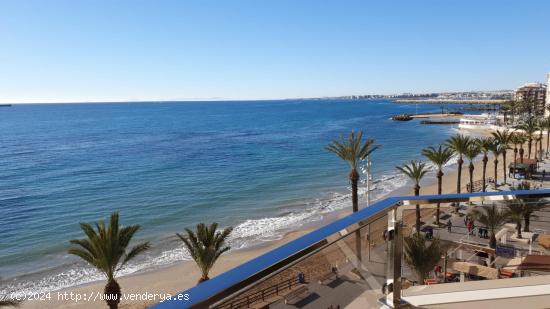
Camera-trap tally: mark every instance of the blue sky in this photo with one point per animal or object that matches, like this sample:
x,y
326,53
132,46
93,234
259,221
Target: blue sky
x,y
66,51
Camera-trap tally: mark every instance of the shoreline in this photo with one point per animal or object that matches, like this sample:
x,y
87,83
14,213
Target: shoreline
x,y
181,275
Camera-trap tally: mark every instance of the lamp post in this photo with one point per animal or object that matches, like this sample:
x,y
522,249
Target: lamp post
x,y
366,169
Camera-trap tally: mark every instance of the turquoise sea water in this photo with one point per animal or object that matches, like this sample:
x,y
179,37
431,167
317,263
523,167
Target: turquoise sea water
x,y
258,166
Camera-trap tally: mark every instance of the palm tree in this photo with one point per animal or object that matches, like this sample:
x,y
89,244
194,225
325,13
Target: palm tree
x,y
529,127
522,138
503,138
459,144
530,205
546,126
471,153
421,256
353,151
485,144
206,245
491,217
515,213
516,140
105,249
439,157
496,150
415,170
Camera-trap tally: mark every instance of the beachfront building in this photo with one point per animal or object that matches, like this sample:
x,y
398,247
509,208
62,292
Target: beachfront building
x,y
534,93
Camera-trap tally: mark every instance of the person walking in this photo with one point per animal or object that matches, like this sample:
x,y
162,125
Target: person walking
x,y
449,226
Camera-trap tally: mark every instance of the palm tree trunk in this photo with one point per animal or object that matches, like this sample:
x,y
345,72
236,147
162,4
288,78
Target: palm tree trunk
x,y
354,178
526,221
547,140
540,144
485,159
504,168
529,144
439,190
521,153
496,171
515,155
112,294
471,169
417,193
458,182
204,278
493,241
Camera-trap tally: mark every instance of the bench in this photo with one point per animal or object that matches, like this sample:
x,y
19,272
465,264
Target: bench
x,y
296,294
328,278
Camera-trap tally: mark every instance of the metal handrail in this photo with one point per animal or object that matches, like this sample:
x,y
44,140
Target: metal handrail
x,y
267,265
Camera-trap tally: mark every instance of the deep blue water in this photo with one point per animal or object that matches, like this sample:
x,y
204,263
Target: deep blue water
x,y
258,166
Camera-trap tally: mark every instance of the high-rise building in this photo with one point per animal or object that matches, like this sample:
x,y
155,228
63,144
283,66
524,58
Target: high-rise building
x,y
535,93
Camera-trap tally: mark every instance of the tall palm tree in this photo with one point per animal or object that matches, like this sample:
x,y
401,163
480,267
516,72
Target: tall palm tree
x,y
439,157
503,138
496,150
515,213
546,126
422,256
530,205
529,127
485,144
105,249
522,139
353,150
459,144
471,153
206,245
491,217
516,140
415,170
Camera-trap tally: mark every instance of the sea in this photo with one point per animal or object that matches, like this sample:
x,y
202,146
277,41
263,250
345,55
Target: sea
x,y
258,166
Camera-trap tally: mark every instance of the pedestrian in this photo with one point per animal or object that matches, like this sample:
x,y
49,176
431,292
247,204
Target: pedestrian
x,y
449,226
543,176
470,227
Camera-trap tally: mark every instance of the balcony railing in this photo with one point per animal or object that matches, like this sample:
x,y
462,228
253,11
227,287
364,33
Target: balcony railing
x,y
357,261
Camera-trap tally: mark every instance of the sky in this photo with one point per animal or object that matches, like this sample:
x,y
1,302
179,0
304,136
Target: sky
x,y
93,50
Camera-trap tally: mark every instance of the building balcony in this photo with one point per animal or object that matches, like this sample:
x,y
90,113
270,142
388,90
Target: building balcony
x,y
369,260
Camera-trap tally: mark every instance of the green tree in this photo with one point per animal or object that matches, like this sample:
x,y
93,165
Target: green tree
x,y
521,139
459,144
471,153
503,138
529,128
421,255
530,205
415,170
516,212
496,150
105,249
206,245
353,150
485,144
491,217
439,157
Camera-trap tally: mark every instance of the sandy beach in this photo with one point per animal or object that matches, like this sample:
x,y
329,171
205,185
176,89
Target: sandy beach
x,y
184,275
